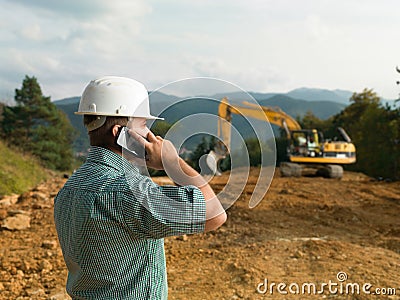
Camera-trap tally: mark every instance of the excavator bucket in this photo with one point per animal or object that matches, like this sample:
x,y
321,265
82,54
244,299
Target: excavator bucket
x,y
212,161
215,156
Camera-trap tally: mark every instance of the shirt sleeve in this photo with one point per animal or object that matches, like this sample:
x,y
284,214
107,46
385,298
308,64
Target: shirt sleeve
x,y
153,211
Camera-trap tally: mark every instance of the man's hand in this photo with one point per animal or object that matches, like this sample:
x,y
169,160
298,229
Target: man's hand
x,y
160,153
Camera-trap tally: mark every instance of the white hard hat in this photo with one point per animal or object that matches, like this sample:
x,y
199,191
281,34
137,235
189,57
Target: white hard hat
x,y
115,96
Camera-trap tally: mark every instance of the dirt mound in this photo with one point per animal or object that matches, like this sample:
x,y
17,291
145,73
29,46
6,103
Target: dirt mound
x,y
307,232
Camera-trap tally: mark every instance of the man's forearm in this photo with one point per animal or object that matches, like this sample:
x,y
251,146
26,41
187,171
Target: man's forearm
x,y
183,174
214,207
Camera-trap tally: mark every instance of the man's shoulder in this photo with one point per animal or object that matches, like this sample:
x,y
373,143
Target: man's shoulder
x,y
97,177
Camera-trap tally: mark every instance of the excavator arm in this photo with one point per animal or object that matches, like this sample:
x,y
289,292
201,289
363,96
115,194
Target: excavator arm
x,y
273,115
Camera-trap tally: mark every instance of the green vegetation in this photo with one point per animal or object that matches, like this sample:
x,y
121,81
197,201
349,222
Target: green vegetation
x,y
35,135
160,127
80,143
375,131
36,126
18,172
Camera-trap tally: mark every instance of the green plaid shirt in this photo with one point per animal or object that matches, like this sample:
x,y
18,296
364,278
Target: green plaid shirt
x,y
111,221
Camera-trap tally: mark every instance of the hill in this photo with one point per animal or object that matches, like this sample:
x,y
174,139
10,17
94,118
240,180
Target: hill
x,y
18,172
313,94
298,107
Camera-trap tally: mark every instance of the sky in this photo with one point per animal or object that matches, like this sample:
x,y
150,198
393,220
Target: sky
x,y
258,45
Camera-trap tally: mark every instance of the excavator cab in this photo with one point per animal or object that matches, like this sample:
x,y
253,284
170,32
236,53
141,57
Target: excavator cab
x,y
305,143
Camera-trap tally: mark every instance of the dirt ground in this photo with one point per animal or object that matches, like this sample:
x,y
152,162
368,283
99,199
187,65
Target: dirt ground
x,y
307,233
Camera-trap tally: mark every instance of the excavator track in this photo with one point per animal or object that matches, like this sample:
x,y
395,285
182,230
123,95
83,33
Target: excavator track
x,y
290,169
331,171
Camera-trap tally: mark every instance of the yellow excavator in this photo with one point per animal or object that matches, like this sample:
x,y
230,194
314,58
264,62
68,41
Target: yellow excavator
x,y
306,147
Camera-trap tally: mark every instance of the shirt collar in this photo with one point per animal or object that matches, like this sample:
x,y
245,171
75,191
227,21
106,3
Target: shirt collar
x,y
109,158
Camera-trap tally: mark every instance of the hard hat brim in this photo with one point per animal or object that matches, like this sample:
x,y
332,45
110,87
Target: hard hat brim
x,y
149,117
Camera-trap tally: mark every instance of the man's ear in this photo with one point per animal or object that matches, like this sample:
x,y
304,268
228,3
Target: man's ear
x,y
116,130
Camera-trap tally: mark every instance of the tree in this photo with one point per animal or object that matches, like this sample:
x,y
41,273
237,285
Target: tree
x,y
311,121
37,126
374,130
353,114
160,127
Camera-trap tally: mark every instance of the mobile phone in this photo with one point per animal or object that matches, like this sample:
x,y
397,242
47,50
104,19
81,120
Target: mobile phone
x,y
126,141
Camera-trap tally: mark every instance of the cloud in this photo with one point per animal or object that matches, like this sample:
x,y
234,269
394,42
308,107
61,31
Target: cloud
x,y
54,40
32,32
261,45
98,26
259,78
316,28
88,9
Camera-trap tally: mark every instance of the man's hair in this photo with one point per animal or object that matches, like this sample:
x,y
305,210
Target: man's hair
x,y
102,136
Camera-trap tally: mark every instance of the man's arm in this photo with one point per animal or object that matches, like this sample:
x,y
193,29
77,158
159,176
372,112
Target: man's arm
x,y
215,213
162,155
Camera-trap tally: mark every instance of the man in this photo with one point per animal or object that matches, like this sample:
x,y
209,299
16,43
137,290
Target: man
x,y
110,219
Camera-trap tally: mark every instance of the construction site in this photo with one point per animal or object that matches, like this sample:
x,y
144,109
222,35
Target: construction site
x,y
307,233
281,127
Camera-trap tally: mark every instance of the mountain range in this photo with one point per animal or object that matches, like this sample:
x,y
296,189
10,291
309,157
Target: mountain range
x,y
322,103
